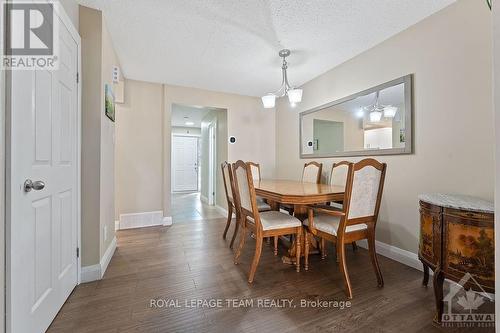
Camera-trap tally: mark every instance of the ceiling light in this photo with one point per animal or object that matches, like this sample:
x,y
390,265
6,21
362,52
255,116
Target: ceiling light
x,y
269,101
189,123
294,94
360,113
375,116
390,111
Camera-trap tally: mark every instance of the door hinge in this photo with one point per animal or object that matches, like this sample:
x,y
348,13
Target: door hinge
x,y
78,252
77,77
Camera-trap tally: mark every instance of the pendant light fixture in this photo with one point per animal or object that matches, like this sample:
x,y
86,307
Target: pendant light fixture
x,y
294,94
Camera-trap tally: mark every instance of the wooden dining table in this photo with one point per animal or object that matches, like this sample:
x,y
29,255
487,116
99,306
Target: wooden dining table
x,y
300,195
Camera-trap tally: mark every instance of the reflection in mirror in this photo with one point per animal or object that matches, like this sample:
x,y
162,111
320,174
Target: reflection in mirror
x,y
376,121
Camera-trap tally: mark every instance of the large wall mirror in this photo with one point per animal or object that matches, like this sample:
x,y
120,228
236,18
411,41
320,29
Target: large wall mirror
x,y
376,121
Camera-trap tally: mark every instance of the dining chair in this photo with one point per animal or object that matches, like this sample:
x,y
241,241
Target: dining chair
x,y
263,224
261,204
311,173
227,176
338,177
356,220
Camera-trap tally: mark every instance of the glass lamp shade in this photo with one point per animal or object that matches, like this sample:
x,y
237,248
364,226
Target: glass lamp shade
x,y
375,116
295,96
390,111
269,101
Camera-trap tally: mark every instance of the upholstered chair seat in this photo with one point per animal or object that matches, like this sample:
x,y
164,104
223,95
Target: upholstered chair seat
x,y
330,224
276,220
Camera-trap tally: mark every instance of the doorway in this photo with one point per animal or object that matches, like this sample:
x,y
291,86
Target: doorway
x,y
199,146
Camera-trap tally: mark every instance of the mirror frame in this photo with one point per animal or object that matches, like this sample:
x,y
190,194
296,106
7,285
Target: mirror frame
x,y
408,149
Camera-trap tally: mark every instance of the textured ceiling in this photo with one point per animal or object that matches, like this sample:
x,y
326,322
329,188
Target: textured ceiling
x,y
232,45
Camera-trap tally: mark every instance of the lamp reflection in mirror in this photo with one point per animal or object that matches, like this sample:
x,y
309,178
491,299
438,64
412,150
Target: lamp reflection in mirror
x,y
390,111
375,116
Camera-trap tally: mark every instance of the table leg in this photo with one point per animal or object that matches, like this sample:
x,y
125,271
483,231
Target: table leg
x,y
300,212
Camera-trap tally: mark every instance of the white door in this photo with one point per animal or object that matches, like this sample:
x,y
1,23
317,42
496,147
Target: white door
x,y
42,229
185,163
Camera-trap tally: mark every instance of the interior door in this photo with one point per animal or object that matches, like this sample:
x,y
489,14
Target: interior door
x,y
43,185
185,163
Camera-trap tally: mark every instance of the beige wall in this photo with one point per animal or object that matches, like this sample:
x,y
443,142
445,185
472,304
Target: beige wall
x,y
107,201
143,140
450,55
90,32
98,132
139,149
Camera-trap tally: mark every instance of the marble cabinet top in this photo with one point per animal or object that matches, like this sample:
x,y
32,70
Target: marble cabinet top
x,y
458,201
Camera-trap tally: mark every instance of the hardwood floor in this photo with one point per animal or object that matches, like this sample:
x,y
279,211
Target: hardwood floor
x,y
190,261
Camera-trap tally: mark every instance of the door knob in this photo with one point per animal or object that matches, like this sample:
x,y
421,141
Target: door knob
x,y
33,185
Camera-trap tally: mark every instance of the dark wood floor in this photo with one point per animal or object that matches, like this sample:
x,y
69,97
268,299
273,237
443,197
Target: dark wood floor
x,y
191,261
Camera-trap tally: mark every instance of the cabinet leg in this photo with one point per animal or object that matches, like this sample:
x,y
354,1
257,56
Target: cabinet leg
x,y
438,281
425,282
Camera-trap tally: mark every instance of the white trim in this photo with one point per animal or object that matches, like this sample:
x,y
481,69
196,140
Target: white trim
x,y
395,253
203,199
90,273
106,258
96,272
167,220
223,210
141,220
117,225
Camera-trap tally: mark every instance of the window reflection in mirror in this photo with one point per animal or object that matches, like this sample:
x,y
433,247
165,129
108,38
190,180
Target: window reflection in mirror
x,y
369,123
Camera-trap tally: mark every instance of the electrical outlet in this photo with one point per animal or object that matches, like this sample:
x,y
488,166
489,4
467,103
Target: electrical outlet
x,y
105,233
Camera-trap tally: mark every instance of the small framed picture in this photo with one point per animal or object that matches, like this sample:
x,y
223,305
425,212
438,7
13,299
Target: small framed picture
x,y
109,102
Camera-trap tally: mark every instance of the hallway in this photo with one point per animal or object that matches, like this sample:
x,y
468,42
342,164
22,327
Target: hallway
x,y
188,207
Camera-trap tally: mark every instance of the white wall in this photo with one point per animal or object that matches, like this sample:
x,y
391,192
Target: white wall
x,y
450,55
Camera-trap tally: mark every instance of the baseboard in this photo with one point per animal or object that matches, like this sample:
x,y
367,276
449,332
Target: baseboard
x,y
140,220
90,273
96,272
203,198
106,258
395,253
167,220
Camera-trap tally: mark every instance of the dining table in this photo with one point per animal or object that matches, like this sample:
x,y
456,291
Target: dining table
x,y
300,195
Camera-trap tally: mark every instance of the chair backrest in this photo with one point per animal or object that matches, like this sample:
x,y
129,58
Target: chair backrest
x,y
312,172
227,176
338,176
255,168
245,192
364,190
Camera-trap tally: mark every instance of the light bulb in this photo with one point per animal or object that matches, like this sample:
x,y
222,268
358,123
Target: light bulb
x,y
269,101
